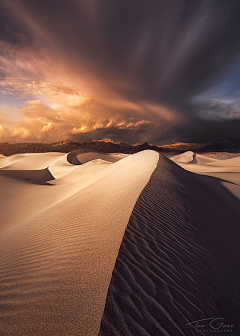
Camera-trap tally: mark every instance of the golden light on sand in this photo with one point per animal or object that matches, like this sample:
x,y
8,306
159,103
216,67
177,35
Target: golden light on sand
x,y
101,233
78,228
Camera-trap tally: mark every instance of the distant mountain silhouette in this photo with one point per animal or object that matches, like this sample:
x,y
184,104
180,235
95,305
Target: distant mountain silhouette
x,y
108,146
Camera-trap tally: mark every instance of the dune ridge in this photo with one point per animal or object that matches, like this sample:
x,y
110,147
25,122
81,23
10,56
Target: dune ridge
x,y
111,244
29,190
202,164
55,267
190,157
26,193
179,260
33,160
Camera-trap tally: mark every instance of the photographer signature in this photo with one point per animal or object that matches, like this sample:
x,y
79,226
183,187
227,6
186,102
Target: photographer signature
x,y
215,323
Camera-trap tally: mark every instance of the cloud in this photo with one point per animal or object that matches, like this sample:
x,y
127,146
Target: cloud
x,y
47,127
22,88
17,61
104,124
5,134
218,109
41,122
8,114
129,67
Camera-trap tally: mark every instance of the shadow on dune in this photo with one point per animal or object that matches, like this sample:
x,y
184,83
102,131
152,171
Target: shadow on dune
x,y
72,156
179,260
82,156
33,176
194,160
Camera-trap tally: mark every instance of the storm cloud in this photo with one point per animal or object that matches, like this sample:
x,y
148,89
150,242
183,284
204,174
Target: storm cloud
x,y
132,69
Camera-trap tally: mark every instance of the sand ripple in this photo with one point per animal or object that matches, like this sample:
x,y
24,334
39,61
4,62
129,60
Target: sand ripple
x,y
179,260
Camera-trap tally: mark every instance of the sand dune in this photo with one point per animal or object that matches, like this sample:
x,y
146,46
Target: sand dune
x,y
81,156
32,161
37,190
21,200
227,163
55,267
202,164
42,175
69,162
191,157
114,244
179,260
186,157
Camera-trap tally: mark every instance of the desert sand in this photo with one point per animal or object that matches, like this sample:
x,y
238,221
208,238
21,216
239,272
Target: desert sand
x,y
115,244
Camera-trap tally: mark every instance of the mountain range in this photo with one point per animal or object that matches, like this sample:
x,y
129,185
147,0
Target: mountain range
x,y
109,146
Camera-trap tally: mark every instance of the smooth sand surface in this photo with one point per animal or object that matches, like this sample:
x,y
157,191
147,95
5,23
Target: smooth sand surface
x,y
32,161
56,264
191,157
179,260
119,245
86,157
202,164
24,194
225,170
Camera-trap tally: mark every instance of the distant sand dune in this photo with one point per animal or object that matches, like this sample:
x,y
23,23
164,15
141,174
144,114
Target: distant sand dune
x,y
203,164
179,260
191,157
32,161
81,156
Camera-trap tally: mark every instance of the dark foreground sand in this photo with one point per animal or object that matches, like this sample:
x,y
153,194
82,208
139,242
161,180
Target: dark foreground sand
x,y
179,260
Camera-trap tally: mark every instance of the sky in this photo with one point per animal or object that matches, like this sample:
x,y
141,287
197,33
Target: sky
x,y
156,71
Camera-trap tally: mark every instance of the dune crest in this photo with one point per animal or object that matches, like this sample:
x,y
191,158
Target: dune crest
x,y
190,157
178,261
202,164
34,190
113,244
29,161
55,267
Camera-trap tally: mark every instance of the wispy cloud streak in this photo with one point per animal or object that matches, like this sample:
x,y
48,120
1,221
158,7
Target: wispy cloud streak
x,y
131,68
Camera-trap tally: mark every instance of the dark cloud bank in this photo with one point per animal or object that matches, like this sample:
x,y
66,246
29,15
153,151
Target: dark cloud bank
x,y
162,52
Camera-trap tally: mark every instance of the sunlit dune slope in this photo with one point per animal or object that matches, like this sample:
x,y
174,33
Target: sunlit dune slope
x,y
191,157
227,171
60,180
62,229
56,262
29,161
202,164
28,192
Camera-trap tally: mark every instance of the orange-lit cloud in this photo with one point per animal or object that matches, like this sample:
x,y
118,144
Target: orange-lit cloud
x,y
22,88
56,103
48,127
130,68
58,96
41,122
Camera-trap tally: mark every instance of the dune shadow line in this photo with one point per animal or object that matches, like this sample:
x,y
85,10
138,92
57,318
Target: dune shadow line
x,y
179,260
